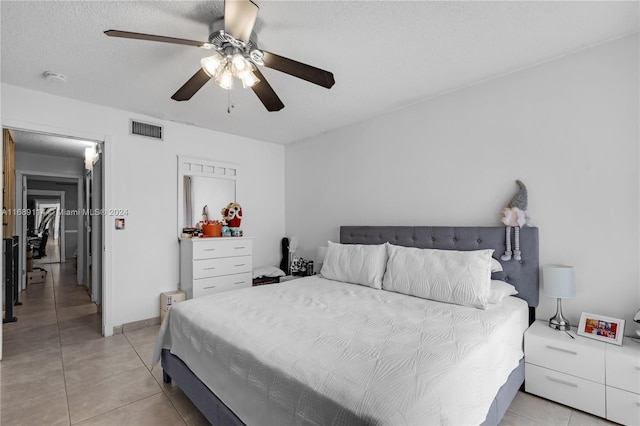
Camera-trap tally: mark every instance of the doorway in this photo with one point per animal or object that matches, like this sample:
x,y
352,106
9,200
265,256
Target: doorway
x,y
53,179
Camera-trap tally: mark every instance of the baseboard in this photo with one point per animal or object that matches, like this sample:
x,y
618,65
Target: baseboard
x,y
130,326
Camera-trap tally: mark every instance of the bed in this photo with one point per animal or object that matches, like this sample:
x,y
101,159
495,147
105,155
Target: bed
x,y
286,353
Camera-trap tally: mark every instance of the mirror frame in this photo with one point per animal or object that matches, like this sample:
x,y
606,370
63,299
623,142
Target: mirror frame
x,y
189,166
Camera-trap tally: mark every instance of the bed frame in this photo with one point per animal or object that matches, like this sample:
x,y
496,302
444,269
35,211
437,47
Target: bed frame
x,y
523,274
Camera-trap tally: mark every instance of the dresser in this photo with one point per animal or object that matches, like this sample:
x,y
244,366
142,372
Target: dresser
x,y
592,376
212,265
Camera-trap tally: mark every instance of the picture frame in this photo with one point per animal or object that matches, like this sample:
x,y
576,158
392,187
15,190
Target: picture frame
x,y
600,327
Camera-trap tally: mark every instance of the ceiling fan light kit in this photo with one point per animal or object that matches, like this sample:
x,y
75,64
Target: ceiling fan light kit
x,y
237,56
224,68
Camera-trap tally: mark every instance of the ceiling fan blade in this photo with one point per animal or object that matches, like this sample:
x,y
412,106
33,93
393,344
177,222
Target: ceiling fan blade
x,y
265,92
298,69
190,88
239,18
151,37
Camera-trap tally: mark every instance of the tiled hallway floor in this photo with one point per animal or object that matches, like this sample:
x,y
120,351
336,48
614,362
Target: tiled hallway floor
x,y
59,370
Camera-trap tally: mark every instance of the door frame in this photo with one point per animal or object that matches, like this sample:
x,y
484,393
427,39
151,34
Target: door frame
x,y
61,203
22,224
107,201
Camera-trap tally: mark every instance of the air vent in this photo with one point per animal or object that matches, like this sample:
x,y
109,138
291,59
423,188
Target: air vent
x,y
145,129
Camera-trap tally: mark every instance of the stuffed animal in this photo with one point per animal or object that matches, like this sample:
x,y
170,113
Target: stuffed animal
x,y
232,214
515,216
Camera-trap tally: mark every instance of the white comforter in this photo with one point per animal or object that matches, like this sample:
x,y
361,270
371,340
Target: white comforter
x,y
315,351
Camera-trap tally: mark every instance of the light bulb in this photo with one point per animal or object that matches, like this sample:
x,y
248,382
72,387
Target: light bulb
x,y
249,79
239,63
211,64
225,78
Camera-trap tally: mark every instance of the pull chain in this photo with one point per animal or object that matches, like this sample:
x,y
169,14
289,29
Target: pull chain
x,y
230,104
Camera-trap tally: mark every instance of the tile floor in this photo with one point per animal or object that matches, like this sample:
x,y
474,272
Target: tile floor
x,y
58,369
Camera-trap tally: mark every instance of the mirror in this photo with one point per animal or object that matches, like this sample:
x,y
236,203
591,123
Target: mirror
x,y
200,191
203,182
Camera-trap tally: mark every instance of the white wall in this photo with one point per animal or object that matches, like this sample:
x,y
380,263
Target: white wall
x,y
49,163
567,128
144,257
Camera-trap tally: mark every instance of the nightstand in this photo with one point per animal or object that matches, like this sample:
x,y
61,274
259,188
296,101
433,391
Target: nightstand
x,y
623,382
592,376
565,370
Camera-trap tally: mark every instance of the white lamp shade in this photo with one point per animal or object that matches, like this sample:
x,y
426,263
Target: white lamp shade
x,y
559,281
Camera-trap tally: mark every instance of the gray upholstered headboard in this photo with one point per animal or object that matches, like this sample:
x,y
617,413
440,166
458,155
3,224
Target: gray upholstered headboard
x,y
523,274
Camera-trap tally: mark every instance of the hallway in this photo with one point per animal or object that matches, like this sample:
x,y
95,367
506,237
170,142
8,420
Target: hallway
x,y
57,369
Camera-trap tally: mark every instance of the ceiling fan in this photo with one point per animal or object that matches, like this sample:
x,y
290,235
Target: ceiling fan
x,y
236,55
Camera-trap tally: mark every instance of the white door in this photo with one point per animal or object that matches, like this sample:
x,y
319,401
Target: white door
x,y
96,232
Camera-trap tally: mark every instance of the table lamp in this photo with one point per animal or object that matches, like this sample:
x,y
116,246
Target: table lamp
x,y
559,282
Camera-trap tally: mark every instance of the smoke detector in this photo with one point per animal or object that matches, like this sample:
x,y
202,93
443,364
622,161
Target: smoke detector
x,y
54,76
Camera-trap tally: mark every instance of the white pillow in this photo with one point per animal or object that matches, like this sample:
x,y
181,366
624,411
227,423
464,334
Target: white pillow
x,y
500,290
496,266
459,277
355,263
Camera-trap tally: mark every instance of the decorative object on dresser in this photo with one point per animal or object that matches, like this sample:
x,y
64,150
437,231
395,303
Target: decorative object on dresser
x,y
591,376
559,282
211,265
605,329
636,318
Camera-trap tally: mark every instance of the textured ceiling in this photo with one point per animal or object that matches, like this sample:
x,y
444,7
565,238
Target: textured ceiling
x,y
37,143
384,54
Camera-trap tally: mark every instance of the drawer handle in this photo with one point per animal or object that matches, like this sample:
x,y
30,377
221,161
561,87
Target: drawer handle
x,y
239,248
562,350
241,264
210,268
239,282
210,249
207,288
562,382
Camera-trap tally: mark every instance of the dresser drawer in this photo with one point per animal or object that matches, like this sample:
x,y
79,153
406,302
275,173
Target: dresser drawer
x,y
578,357
207,286
623,407
623,366
223,266
582,394
222,247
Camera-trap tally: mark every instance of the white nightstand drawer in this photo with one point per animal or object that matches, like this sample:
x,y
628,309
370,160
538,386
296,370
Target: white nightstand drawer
x,y
223,266
623,366
623,407
556,350
582,394
215,285
222,247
